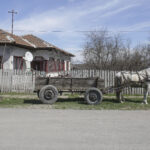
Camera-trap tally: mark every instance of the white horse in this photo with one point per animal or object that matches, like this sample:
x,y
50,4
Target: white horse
x,y
132,79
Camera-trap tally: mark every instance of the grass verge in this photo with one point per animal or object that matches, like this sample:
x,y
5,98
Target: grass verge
x,y
75,102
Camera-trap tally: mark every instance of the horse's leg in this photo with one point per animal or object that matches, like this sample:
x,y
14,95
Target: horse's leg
x,y
146,89
119,96
122,98
118,83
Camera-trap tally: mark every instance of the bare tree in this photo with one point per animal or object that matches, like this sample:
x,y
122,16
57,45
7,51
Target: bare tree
x,y
97,49
105,51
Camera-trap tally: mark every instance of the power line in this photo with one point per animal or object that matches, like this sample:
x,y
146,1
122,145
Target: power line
x,y
79,31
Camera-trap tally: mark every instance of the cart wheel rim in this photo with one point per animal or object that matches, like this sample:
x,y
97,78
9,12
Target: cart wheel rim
x,y
49,94
93,96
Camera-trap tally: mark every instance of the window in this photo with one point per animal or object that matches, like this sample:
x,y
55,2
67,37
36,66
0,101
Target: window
x,y
56,65
52,65
45,65
18,63
60,65
40,65
63,65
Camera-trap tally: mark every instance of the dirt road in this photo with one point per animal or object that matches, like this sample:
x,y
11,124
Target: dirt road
x,y
43,129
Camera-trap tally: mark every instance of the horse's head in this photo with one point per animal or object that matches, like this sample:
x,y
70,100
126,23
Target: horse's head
x,y
145,74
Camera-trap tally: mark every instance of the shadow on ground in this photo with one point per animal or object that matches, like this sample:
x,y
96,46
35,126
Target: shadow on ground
x,y
133,101
32,101
110,100
126,100
80,100
60,100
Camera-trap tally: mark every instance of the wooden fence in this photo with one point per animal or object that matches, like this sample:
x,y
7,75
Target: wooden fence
x,y
24,81
108,77
16,81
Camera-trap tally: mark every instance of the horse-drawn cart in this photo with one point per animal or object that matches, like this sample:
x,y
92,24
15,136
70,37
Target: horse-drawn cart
x,y
48,88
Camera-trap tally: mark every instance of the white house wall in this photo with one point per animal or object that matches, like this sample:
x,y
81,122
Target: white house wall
x,y
5,52
12,51
8,56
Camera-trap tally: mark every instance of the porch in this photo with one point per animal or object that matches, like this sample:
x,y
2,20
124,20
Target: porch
x,y
51,65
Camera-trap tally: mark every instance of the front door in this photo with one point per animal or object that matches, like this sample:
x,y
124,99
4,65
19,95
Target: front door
x,y
39,65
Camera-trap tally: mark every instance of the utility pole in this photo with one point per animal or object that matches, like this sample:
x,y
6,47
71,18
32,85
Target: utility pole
x,y
12,12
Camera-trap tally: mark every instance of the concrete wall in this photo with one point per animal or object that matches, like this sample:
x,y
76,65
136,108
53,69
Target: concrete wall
x,y
8,53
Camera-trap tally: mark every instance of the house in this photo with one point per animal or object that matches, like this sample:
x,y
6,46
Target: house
x,y
46,57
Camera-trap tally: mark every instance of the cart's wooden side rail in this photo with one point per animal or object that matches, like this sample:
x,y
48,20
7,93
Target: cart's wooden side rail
x,y
70,84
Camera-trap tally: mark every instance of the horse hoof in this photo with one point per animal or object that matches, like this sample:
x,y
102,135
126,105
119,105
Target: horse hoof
x,y
146,103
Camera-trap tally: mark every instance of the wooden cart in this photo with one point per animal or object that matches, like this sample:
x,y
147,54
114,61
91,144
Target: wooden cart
x,y
48,88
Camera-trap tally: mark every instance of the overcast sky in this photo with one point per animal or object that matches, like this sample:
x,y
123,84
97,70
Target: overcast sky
x,y
43,17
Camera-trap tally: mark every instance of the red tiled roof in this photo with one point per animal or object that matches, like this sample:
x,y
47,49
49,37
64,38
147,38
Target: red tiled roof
x,y
37,42
30,41
6,37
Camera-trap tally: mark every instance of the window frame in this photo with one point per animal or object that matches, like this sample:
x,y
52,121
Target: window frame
x,y
17,60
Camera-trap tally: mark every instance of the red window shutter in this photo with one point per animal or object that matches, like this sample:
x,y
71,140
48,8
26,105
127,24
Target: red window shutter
x,y
17,63
67,65
63,62
21,59
46,66
59,65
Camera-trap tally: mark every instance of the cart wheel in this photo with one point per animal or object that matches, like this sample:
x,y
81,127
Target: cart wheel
x,y
48,94
93,96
